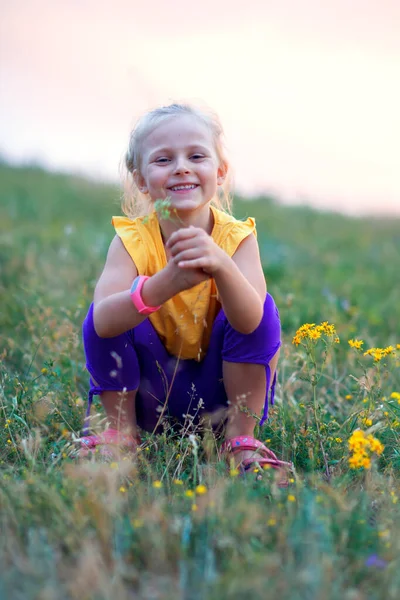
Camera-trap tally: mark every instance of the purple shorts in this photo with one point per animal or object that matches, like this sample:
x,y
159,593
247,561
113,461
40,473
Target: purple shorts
x,y
137,360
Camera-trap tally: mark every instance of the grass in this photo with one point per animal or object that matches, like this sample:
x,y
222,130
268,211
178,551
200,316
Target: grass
x,y
146,529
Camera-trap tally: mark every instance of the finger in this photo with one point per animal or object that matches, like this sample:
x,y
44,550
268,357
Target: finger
x,y
197,263
189,254
183,245
182,234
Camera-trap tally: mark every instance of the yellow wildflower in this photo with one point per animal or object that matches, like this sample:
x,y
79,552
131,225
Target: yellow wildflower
x,y
348,397
201,489
137,523
314,334
157,484
178,482
362,447
234,472
194,507
395,396
271,522
189,493
291,498
357,344
122,489
379,353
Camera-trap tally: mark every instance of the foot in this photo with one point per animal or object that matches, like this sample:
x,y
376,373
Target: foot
x,y
246,455
109,444
250,454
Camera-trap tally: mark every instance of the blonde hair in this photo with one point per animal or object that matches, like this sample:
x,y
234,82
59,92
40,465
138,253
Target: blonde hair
x,y
134,203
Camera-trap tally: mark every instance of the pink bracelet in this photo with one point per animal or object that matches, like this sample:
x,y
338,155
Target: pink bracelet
x,y
136,296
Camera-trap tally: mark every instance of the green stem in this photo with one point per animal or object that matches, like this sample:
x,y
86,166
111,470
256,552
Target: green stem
x,y
314,384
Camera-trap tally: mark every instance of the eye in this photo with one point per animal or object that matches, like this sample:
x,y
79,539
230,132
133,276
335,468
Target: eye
x,y
197,156
161,160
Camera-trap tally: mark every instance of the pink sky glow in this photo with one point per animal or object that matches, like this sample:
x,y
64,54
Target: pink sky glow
x,y
308,92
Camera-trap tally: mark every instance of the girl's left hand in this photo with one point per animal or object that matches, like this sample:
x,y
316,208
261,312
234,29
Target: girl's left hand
x,y
193,248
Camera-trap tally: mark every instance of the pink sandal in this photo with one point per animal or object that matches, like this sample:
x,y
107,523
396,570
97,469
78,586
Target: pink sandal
x,y
240,443
110,436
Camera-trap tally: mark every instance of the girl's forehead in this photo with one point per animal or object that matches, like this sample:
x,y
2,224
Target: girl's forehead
x,y
178,132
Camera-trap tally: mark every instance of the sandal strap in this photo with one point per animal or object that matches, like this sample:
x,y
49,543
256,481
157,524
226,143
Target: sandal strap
x,y
242,442
109,436
275,464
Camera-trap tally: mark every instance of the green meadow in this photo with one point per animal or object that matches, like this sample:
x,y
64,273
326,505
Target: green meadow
x,y
176,522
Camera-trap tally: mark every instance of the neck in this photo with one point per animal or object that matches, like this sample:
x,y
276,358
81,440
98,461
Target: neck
x,y
203,219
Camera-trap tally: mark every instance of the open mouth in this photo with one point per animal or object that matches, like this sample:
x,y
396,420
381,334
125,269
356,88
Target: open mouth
x,y
183,188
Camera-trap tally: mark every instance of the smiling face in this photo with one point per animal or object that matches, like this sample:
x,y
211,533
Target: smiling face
x,y
179,161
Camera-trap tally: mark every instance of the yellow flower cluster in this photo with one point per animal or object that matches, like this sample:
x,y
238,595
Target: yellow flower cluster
x,y
395,396
362,447
356,344
312,331
379,353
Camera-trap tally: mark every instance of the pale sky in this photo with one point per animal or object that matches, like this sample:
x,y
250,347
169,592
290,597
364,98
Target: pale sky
x,y
308,91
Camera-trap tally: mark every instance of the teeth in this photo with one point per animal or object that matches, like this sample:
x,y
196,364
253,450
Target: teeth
x,y
183,187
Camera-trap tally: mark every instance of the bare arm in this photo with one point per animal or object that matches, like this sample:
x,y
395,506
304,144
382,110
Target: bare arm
x,y
241,286
114,312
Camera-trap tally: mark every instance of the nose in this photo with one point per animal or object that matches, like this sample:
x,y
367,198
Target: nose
x,y
181,165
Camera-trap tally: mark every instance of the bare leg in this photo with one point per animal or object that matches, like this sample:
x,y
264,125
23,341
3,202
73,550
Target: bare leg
x,y
120,410
245,386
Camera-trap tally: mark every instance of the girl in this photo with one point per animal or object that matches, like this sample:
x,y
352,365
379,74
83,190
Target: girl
x,y
181,323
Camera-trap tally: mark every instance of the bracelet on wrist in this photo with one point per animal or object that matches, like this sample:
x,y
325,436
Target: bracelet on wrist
x,y
136,296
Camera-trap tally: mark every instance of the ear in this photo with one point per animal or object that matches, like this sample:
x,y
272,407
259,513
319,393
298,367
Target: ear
x,y
140,181
221,173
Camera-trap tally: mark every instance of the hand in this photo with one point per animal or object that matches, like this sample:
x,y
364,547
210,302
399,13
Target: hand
x,y
184,279
193,248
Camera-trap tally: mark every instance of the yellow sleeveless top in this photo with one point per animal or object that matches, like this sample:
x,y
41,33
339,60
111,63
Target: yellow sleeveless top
x,y
185,321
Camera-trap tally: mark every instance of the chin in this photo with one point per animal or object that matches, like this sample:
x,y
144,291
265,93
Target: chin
x,y
186,206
